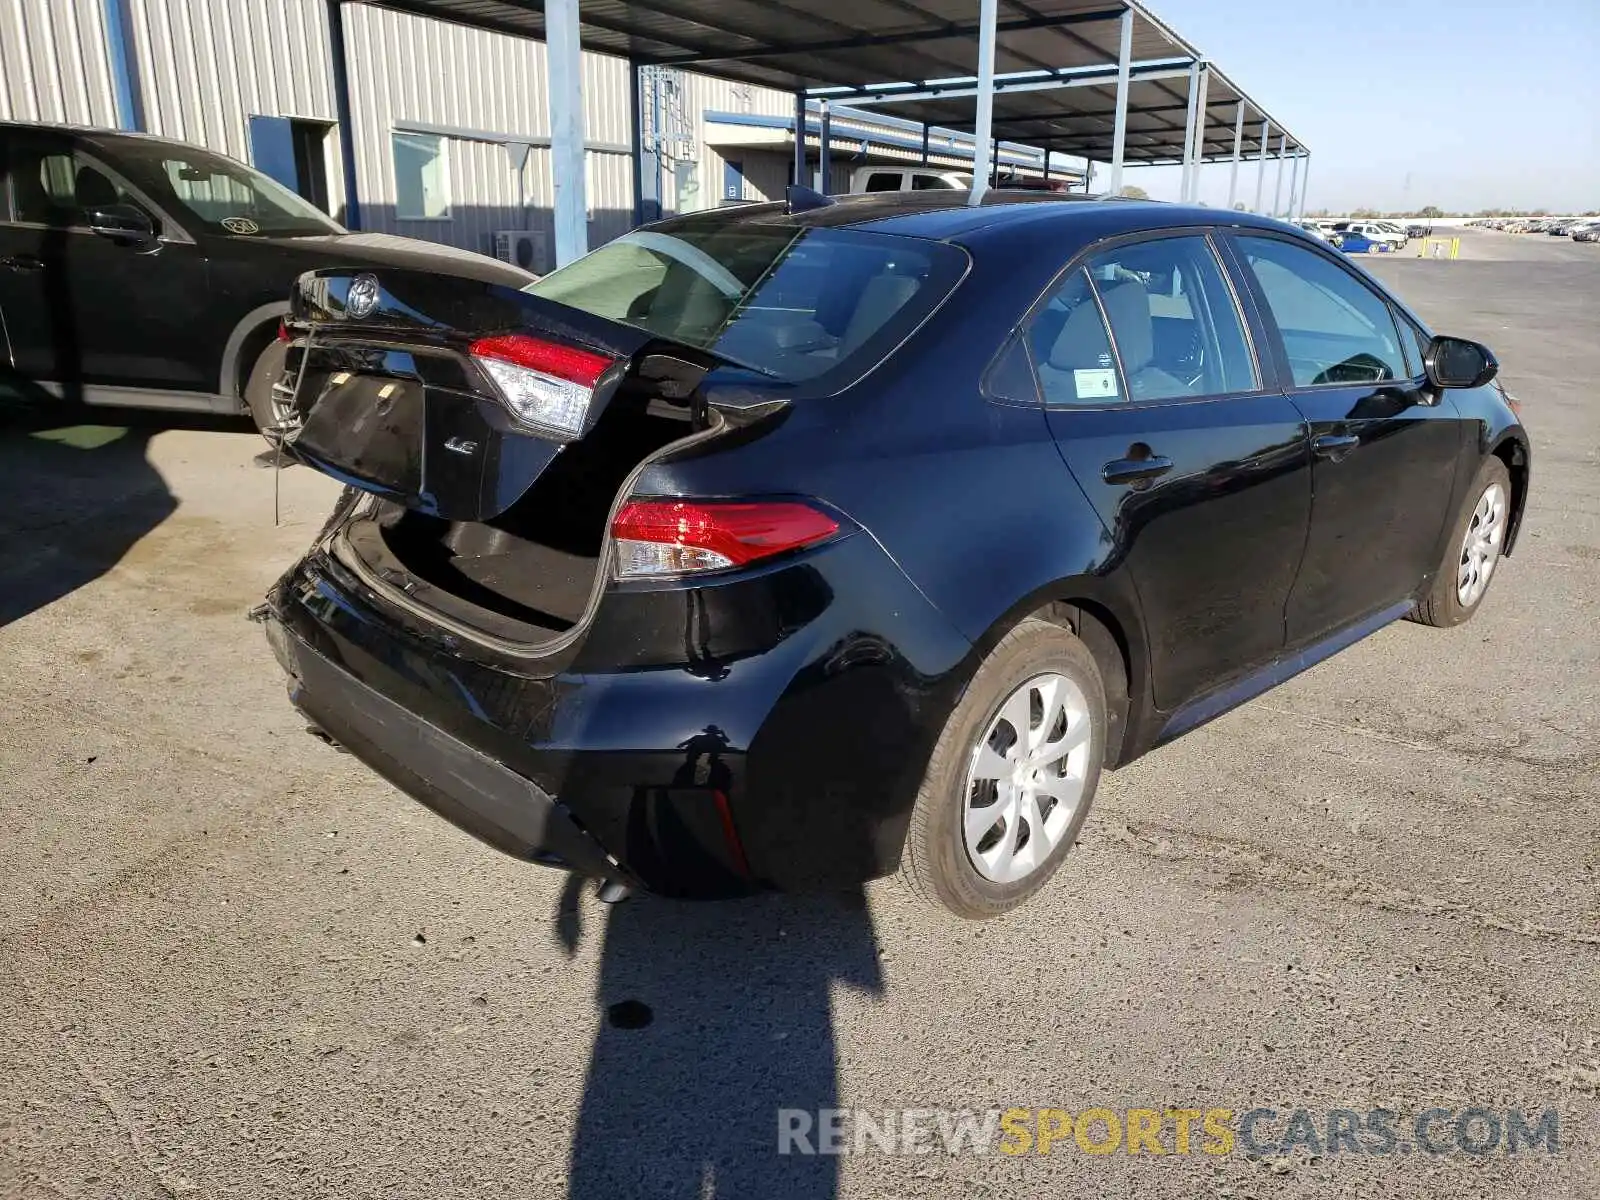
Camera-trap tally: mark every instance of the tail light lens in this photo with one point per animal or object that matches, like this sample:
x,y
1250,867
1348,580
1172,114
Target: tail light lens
x,y
679,537
545,385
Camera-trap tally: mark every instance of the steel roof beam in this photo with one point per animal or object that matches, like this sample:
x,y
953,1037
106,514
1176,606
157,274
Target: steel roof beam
x,y
909,37
1031,81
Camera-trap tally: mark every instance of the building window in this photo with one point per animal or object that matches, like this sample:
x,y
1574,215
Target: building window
x,y
421,177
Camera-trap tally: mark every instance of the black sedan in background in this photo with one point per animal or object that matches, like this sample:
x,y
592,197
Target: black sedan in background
x,y
788,546
142,272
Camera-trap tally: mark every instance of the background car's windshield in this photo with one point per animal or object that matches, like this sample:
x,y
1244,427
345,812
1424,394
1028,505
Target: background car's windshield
x,y
794,303
218,194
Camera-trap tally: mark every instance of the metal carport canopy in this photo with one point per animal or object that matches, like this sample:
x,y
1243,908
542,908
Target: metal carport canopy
x,y
1056,66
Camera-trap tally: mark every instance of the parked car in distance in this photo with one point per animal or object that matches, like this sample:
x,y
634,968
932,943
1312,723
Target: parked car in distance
x,y
1352,242
1315,229
141,272
789,546
1371,231
1419,231
908,179
1587,232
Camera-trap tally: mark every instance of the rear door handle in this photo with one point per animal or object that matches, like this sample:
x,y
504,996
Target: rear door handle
x,y
1135,470
1334,446
22,262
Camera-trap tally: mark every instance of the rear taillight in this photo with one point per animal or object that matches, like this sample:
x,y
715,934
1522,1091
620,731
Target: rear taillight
x,y
676,537
283,331
544,384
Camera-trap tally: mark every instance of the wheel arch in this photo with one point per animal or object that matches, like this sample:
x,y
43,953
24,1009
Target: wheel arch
x,y
238,353
1111,628
1512,449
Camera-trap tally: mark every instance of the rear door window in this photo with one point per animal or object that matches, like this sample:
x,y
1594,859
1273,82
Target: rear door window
x,y
1176,326
883,181
797,304
1335,329
1071,350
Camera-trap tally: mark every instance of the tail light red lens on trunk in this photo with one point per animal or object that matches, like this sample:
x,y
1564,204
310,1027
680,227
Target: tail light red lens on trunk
x,y
544,384
678,537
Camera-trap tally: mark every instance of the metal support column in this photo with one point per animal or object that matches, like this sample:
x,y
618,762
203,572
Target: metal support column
x,y
646,156
983,127
1294,186
1199,156
824,166
341,111
565,87
925,128
1261,163
1047,164
1192,98
1238,142
1119,131
1277,182
800,139
1305,183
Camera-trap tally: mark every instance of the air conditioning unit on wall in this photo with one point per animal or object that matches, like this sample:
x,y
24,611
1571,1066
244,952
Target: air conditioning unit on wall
x,y
525,248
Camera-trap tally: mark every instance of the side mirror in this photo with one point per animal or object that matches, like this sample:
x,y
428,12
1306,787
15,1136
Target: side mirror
x,y
121,223
1457,363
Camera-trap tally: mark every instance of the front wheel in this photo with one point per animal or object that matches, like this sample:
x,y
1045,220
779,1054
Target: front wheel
x,y
1012,776
1474,550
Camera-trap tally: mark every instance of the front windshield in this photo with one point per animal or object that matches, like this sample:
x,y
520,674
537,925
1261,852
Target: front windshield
x,y
220,195
790,302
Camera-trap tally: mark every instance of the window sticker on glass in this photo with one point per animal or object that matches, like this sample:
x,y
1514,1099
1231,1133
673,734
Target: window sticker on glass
x,y
239,225
1094,384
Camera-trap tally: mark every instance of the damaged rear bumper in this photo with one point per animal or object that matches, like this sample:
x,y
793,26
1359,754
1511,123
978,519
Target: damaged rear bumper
x,y
461,784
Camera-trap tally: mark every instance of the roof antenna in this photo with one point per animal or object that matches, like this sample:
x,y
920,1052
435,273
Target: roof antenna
x,y
799,199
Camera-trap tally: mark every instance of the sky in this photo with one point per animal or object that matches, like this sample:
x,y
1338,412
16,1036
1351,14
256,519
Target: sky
x,y
1461,104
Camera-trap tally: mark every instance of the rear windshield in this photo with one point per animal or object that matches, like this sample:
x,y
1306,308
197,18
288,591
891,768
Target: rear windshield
x,y
794,304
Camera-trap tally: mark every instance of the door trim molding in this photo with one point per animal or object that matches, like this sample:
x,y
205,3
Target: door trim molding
x,y
1213,704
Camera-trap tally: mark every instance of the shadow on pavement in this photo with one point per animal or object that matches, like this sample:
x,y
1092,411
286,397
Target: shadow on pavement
x,y
77,491
713,1017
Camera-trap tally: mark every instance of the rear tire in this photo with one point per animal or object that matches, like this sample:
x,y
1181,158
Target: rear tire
x,y
1012,776
1477,541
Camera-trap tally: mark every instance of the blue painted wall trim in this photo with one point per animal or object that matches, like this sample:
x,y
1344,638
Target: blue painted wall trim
x,y
124,66
341,107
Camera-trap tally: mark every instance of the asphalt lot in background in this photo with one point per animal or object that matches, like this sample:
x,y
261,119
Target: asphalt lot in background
x,y
233,962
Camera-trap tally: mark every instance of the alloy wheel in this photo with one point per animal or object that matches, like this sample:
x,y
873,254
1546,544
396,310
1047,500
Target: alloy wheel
x,y
1026,778
1480,549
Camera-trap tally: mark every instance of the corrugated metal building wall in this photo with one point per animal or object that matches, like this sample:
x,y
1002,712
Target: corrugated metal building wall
x,y
55,62
705,93
475,91
207,66
451,96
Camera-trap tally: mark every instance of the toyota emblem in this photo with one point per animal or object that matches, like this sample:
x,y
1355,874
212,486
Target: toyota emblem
x,y
362,299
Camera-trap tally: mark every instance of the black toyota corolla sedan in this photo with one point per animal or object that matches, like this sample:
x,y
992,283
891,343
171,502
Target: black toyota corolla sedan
x,y
789,546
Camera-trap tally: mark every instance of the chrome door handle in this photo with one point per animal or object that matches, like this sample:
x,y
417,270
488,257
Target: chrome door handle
x,y
1135,470
1334,446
